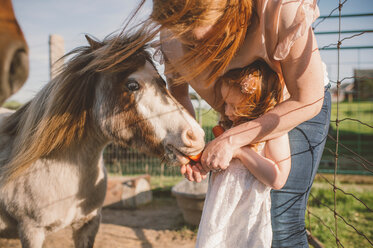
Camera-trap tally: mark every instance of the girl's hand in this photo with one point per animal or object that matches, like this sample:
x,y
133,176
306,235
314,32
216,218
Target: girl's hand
x,y
217,154
193,172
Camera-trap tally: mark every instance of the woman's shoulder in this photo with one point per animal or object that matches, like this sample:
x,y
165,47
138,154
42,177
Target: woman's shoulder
x,y
293,13
287,11
284,21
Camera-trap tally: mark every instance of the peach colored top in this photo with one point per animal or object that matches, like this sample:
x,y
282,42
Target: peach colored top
x,y
270,37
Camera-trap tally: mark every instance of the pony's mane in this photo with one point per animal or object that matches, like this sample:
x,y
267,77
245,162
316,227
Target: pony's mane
x,y
60,113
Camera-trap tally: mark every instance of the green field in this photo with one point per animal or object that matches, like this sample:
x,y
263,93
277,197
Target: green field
x,y
321,221
209,117
354,135
361,111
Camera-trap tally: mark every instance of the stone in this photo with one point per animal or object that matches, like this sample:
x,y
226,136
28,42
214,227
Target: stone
x,y
128,192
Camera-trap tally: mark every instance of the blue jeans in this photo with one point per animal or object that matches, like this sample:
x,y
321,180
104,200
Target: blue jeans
x,y
307,142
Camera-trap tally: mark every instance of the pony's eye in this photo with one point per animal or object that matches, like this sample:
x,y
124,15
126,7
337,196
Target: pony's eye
x,y
132,85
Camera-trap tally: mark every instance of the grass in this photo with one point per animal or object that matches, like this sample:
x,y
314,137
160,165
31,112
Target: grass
x,y
321,204
209,118
362,111
162,185
346,157
356,136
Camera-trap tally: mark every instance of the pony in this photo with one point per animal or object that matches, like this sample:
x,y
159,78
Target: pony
x,y
51,166
14,65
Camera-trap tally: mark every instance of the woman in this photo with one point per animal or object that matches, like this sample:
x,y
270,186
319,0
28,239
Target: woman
x,y
202,39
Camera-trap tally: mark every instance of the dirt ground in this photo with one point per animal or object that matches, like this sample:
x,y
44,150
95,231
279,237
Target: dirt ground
x,y
156,225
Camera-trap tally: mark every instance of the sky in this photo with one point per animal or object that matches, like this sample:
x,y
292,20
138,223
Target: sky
x,y
72,19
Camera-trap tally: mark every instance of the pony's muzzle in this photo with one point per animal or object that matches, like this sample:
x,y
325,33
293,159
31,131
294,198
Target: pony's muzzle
x,y
189,138
193,141
190,142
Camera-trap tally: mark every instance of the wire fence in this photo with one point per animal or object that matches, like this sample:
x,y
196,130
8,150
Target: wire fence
x,y
349,144
331,208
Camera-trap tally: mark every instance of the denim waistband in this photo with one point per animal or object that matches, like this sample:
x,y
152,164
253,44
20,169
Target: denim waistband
x,y
327,87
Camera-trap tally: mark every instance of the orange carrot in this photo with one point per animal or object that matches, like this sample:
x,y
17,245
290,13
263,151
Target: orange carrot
x,y
217,131
196,158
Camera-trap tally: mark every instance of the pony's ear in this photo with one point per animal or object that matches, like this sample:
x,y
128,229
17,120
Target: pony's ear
x,y
93,43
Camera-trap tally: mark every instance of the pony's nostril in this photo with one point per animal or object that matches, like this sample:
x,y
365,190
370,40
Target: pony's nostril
x,y
189,137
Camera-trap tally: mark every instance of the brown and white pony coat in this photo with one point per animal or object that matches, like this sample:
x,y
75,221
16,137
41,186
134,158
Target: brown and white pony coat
x,y
51,168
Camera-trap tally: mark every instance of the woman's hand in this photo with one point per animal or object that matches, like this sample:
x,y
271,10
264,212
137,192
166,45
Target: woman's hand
x,y
218,154
194,172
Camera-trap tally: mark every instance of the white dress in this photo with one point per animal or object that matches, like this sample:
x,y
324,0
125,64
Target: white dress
x,y
236,211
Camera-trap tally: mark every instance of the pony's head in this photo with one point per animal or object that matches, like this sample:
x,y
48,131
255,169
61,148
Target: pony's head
x,y
127,104
134,108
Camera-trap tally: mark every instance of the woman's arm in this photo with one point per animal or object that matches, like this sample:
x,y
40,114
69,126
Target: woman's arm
x,y
274,168
303,75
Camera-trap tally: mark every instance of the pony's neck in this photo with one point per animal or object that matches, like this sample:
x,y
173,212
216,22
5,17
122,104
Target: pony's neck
x,y
85,152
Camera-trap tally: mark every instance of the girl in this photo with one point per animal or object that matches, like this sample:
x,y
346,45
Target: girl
x,y
237,206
